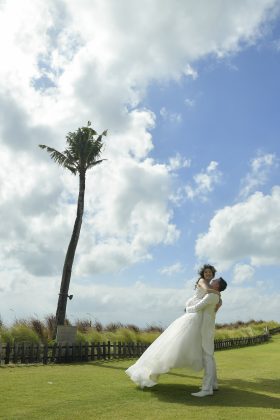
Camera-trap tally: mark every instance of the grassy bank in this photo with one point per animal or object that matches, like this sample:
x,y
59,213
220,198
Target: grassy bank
x,y
37,331
248,377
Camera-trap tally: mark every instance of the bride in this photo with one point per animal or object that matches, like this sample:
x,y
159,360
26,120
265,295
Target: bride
x,y
179,345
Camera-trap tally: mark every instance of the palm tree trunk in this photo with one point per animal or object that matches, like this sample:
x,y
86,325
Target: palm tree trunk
x,y
69,259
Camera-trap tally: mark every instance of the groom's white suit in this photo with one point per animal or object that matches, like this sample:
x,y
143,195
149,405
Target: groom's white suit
x,y
207,305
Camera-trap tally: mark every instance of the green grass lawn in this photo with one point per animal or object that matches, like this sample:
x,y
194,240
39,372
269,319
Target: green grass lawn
x,y
249,389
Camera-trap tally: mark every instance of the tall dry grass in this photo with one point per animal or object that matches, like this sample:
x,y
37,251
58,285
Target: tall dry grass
x,y
41,331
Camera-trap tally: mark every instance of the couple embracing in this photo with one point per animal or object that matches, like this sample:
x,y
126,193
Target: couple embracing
x,y
188,341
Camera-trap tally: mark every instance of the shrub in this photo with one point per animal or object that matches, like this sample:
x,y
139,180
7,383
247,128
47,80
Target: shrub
x,y
125,335
94,335
98,326
34,331
148,337
21,332
5,335
133,328
113,326
50,325
81,337
83,325
40,329
154,328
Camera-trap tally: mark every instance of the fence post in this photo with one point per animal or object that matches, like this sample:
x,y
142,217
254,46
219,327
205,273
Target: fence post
x,y
37,353
98,351
80,352
8,352
53,356
104,350
92,356
109,350
114,350
45,354
86,354
23,349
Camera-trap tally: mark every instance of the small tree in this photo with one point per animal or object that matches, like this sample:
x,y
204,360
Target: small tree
x,y
83,152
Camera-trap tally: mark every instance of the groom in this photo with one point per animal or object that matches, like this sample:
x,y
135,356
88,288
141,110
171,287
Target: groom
x,y
208,305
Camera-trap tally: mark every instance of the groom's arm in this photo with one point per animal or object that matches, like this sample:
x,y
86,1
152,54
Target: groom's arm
x,y
210,299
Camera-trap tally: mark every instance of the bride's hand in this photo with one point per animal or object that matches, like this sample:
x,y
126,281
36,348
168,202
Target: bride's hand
x,y
216,292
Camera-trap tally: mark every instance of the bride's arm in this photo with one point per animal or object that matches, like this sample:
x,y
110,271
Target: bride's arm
x,y
205,286
208,299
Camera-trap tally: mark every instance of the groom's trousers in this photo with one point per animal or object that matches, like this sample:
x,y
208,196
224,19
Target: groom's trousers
x,y
210,372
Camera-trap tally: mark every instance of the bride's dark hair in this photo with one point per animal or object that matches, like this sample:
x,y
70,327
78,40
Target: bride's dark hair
x,y
202,269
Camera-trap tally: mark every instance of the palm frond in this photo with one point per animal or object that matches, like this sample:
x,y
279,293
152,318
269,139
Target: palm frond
x,y
97,162
57,156
92,152
71,160
99,138
82,152
71,168
63,159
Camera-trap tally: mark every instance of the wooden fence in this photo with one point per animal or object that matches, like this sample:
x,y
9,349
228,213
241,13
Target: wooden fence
x,y
38,353
230,343
65,353
274,330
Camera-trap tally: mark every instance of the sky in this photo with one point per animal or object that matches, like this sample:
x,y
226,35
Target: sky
x,y
189,92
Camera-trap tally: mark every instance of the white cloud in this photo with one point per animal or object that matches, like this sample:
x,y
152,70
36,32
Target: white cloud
x,y
204,182
141,302
138,302
190,103
172,117
145,304
24,295
172,269
242,273
250,229
126,215
190,71
178,162
66,62
132,198
276,44
255,302
260,168
97,70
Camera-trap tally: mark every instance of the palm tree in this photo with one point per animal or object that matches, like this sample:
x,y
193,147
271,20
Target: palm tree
x,y
83,152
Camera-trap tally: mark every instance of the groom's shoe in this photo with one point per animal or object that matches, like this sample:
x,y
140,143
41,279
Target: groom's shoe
x,y
202,393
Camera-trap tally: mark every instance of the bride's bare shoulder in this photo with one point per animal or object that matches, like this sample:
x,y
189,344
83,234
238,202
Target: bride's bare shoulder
x,y
200,283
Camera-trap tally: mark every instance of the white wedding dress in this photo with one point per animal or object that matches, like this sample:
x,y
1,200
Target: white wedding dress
x,y
180,345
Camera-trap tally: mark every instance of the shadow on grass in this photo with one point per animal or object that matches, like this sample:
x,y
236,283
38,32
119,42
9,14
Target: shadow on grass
x,y
232,393
259,385
109,365
181,375
227,396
